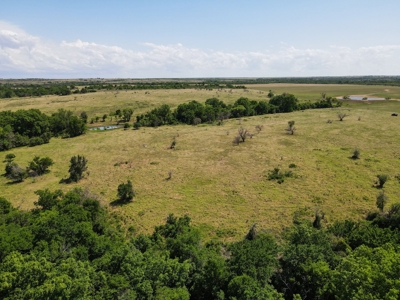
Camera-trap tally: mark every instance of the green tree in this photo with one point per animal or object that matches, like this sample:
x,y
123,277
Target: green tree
x,y
127,113
125,192
285,102
15,173
368,274
40,165
382,178
381,200
78,165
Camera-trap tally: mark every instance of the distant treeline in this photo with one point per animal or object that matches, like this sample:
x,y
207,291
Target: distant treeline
x,y
360,80
32,127
22,88
62,89
70,247
214,109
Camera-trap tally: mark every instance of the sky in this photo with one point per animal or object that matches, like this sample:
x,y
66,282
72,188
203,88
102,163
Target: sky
x,y
192,39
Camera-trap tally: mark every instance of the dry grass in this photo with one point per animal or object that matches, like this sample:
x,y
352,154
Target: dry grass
x,y
223,187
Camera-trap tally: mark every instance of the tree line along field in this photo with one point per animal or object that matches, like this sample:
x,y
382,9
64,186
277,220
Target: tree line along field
x,y
225,188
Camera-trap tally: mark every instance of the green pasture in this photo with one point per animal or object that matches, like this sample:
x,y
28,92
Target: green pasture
x,y
222,187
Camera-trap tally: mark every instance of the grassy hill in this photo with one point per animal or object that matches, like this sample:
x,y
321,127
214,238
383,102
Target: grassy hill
x,y
224,188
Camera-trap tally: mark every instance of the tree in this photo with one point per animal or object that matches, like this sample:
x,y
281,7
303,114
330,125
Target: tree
x,y
84,116
15,172
356,153
341,116
291,127
104,117
40,165
127,112
48,199
381,200
77,167
382,180
243,133
9,157
126,192
285,102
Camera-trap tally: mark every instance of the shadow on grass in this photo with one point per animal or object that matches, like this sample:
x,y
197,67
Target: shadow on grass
x,y
13,182
119,202
66,181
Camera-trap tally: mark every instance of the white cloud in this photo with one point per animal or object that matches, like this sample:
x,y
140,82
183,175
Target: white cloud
x,y
24,55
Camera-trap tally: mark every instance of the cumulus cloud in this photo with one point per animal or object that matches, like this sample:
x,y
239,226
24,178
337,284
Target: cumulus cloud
x,y
24,55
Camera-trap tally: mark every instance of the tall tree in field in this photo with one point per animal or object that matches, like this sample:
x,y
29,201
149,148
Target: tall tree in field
x,y
77,167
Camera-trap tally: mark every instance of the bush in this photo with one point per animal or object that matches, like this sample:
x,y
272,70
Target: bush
x,y
40,165
77,167
125,192
9,157
15,172
381,200
382,180
276,174
356,153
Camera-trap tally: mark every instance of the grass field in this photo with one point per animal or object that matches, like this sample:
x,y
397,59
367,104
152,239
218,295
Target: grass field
x,y
224,188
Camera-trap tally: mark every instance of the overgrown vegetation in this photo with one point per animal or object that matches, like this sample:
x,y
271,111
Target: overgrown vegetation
x,y
69,246
32,127
194,112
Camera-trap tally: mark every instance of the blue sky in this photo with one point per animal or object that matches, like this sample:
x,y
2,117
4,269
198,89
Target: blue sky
x,y
140,39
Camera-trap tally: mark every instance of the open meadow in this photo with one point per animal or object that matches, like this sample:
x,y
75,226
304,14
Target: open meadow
x,y
224,188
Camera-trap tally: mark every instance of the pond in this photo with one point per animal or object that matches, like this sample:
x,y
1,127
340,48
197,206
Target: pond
x,y
105,127
363,98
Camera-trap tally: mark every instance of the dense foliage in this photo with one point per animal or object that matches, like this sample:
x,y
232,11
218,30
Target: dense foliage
x,y
214,109
32,127
70,247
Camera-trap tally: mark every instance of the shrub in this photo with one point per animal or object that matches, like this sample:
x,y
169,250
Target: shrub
x,y
291,166
356,153
126,192
15,172
9,157
77,167
243,133
276,174
341,116
291,127
381,200
40,165
127,126
382,180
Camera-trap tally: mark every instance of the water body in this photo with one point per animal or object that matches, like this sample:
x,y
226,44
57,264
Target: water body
x,y
104,127
362,98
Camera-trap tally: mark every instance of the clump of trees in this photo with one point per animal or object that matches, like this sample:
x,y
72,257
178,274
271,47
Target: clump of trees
x,y
32,127
70,239
278,175
37,167
215,110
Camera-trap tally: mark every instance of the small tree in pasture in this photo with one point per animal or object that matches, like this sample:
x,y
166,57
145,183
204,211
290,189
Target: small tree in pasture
x,y
78,165
356,153
243,133
125,192
381,200
382,180
341,116
40,165
291,129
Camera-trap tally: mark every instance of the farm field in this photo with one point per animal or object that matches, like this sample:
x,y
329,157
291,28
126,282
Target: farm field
x,y
222,187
